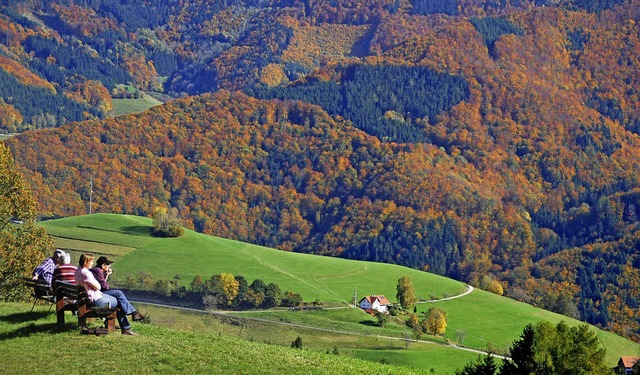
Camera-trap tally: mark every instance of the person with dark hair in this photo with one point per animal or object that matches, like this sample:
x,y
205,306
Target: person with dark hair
x,y
45,270
101,272
85,278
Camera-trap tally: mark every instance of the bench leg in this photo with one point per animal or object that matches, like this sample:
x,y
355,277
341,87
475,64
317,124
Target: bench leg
x,y
111,323
82,321
60,317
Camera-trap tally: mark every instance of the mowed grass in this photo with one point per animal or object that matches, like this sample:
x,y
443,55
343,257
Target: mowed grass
x,y
33,344
77,247
123,107
366,344
488,321
314,277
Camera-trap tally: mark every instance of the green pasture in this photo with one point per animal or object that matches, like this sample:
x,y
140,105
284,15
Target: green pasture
x,y
123,107
436,359
33,344
366,344
487,321
314,277
81,246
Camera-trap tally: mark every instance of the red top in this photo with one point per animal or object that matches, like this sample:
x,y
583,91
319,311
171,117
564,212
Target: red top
x,y
66,273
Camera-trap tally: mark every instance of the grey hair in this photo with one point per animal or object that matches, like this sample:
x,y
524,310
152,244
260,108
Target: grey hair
x,y
65,258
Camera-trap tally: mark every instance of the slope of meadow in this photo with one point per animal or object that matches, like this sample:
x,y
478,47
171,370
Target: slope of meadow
x,y
31,342
314,277
490,322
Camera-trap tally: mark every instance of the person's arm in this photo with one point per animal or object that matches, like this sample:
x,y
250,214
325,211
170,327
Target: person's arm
x,y
38,270
98,274
90,280
48,266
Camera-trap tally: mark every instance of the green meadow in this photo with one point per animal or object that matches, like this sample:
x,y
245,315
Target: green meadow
x,y
480,320
123,107
314,277
33,344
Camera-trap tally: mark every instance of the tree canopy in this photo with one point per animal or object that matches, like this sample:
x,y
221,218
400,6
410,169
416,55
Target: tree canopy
x,y
22,245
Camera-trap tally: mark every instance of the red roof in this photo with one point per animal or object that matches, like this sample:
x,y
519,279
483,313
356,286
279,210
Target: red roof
x,y
381,299
628,361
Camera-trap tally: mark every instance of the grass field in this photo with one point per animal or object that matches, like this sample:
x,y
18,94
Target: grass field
x,y
123,107
367,342
32,344
488,321
314,277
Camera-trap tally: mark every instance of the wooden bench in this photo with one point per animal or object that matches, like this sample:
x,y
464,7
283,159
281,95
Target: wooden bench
x,y
71,297
40,290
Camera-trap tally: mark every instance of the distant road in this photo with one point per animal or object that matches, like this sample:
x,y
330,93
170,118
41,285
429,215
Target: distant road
x,y
468,291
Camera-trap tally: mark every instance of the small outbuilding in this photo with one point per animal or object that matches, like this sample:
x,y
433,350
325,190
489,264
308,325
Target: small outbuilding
x,y
626,364
375,303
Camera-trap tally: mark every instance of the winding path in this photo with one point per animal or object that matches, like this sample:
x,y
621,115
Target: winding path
x,y
468,291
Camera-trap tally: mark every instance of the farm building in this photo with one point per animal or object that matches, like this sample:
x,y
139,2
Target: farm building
x,y
375,303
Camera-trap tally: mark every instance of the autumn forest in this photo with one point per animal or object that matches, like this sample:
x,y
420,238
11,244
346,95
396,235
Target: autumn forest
x,y
482,140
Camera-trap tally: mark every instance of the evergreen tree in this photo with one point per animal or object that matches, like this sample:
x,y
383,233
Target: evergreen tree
x,y
484,365
560,349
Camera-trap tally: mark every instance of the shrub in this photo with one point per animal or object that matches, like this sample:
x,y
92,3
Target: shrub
x,y
166,223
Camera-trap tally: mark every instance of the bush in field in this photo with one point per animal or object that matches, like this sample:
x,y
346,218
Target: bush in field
x,y
166,223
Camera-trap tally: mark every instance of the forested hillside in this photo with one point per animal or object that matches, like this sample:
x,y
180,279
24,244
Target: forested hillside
x,y
482,141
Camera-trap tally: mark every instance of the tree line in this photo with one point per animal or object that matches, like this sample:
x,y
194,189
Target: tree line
x,y
220,291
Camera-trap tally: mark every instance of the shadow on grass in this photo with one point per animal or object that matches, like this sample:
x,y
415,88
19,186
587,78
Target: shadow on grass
x,y
135,230
369,323
33,329
25,316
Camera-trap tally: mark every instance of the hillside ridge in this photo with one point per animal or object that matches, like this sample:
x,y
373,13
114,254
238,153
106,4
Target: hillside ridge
x,y
526,177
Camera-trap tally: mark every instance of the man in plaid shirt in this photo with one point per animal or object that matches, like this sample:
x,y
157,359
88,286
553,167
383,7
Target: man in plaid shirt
x,y
45,270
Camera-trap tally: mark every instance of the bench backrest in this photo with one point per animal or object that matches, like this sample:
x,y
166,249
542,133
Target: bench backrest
x,y
70,293
41,289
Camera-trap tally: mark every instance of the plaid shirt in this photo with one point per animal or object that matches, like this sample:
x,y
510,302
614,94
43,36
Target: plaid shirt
x,y
45,270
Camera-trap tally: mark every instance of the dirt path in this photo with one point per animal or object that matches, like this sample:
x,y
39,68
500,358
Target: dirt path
x,y
468,291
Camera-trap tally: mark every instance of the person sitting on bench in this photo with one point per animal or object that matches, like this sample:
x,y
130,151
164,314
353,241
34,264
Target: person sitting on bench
x,y
101,272
65,271
45,270
85,278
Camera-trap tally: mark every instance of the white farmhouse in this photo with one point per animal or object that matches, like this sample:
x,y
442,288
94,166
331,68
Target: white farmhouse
x,y
374,303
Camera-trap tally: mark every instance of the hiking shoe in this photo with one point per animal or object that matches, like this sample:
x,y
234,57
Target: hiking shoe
x,y
136,316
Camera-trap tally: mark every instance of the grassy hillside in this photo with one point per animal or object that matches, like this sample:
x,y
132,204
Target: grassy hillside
x,y
31,342
359,339
489,321
314,277
126,106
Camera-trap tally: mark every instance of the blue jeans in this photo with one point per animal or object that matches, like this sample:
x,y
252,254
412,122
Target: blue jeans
x,y
123,302
107,300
